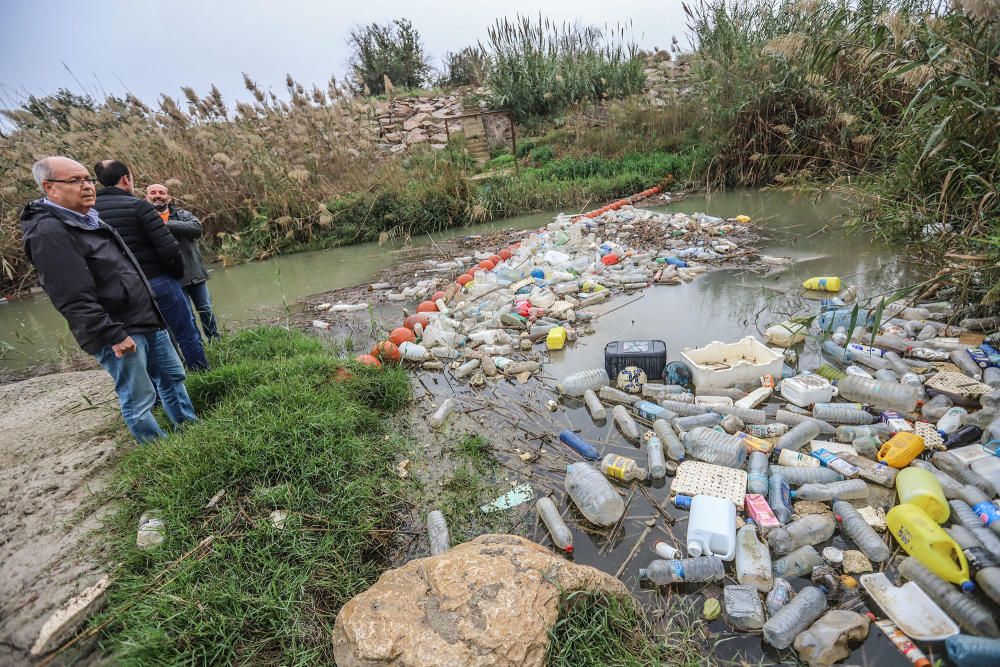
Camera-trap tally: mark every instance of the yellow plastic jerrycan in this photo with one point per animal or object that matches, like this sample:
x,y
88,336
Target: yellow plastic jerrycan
x,y
900,449
556,338
826,284
920,487
926,541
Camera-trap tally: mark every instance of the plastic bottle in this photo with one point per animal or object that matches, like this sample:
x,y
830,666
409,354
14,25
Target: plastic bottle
x,y
757,479
744,610
963,515
870,471
963,436
863,535
965,364
665,551
782,628
437,532
985,566
982,506
980,324
793,459
780,595
848,489
836,352
694,421
991,376
826,284
867,445
593,494
799,435
951,421
963,609
839,336
792,419
753,559
562,537
954,466
747,415
689,570
622,468
799,563
916,486
851,433
617,396
712,527
150,532
810,529
798,476
684,409
652,411
901,397
896,363
936,408
767,430
666,434
441,414
655,462
626,425
579,382
712,446
922,538
579,445
968,651
837,414
594,406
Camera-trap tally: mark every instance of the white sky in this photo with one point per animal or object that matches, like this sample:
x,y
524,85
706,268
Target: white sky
x,y
149,48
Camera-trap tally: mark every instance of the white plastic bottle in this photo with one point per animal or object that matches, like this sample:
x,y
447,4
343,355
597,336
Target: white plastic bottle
x,y
753,559
593,494
951,421
562,537
712,528
441,414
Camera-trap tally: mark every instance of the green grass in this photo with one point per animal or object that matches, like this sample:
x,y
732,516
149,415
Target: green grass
x,y
277,431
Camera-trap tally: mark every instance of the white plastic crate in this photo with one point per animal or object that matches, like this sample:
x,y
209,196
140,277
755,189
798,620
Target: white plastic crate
x,y
729,364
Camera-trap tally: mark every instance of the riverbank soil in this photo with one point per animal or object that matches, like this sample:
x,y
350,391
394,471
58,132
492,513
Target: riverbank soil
x,y
57,442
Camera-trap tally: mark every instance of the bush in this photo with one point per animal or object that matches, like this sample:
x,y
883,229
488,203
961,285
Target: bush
x,y
465,68
541,155
380,51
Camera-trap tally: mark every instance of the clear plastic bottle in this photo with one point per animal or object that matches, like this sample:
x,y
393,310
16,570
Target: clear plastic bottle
x,y
652,411
896,363
839,414
863,535
792,419
666,434
685,409
767,430
780,595
810,529
562,537
936,408
716,447
622,468
782,628
799,563
952,488
617,396
150,532
985,566
872,471
626,424
594,406
799,436
848,489
886,375
655,462
579,382
991,376
441,414
799,476
963,515
779,497
593,494
980,324
694,421
851,433
955,467
753,559
970,615
437,532
867,445
965,364
689,570
901,397
747,415
982,506
839,336
744,610
757,479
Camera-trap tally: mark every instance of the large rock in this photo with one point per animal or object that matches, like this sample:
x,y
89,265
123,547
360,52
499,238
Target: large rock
x,y
491,601
413,122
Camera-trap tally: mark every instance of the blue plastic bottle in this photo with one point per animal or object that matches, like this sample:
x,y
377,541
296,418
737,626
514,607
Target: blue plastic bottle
x,y
579,445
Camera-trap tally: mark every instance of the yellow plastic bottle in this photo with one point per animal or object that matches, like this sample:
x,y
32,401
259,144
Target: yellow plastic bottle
x,y
920,487
926,541
826,284
556,338
900,449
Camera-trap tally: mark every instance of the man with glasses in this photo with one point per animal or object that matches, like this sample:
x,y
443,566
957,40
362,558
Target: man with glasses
x,y
156,250
94,280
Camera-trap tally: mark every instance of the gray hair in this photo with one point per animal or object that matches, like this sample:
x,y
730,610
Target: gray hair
x,y
42,171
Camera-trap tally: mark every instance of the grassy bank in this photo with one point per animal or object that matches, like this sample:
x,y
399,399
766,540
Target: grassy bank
x,y
279,431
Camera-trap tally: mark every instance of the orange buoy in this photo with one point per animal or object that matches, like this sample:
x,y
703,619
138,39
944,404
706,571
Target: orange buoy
x,y
401,335
417,318
486,265
342,375
657,189
506,254
427,307
463,280
386,351
437,295
367,360
609,259
496,259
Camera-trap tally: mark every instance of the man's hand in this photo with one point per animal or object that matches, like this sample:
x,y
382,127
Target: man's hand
x,y
125,347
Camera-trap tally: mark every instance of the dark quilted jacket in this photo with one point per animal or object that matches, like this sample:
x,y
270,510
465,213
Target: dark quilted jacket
x,y
143,231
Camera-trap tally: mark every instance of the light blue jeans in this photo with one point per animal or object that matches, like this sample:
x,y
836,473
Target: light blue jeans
x,y
154,368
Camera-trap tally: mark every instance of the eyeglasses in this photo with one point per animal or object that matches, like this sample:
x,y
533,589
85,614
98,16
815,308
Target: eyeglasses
x,y
73,181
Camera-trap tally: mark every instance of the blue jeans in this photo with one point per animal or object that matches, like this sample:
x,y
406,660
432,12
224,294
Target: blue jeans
x,y
203,306
180,320
154,368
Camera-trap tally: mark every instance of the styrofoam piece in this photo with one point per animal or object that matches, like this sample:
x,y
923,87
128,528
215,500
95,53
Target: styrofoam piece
x,y
957,384
928,431
910,608
713,400
805,390
697,478
730,364
832,447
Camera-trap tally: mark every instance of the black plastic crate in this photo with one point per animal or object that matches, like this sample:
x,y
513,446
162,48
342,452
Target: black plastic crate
x,y
649,355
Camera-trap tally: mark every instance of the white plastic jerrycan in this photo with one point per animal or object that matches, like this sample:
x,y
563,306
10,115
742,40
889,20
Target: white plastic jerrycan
x,y
712,528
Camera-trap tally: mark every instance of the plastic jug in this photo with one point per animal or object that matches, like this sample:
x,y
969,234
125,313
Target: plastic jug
x,y
826,284
920,487
712,528
900,449
785,334
556,338
927,542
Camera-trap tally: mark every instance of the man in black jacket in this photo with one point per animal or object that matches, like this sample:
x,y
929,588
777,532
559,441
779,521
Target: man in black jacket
x,y
186,228
156,250
96,283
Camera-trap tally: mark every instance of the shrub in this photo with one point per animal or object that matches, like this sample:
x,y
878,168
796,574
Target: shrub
x,y
380,51
465,68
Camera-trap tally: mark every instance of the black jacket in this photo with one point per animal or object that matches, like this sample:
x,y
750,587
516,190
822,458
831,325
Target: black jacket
x,y
143,231
186,227
91,277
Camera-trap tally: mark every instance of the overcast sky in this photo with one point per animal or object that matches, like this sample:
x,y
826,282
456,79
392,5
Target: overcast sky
x,y
150,48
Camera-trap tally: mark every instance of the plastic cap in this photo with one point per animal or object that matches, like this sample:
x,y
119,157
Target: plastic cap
x,y
694,549
968,586
642,573
569,549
